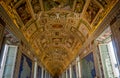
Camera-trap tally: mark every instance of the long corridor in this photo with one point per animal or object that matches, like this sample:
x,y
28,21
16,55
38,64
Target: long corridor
x,y
59,39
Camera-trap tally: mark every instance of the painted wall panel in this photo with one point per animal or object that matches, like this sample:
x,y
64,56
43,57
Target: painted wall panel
x,y
88,68
25,70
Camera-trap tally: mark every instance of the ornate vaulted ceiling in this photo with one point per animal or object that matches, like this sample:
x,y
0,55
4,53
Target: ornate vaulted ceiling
x,y
57,29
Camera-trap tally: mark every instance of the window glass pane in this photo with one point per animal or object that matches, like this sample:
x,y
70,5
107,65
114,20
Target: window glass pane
x,y
9,60
6,77
8,70
11,51
39,72
2,54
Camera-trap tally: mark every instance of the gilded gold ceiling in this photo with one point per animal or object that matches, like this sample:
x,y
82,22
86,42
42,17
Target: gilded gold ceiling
x,y
57,29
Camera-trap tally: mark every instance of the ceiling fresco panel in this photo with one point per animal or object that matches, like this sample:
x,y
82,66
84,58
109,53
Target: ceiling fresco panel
x,y
14,1
36,47
11,1
104,3
65,4
84,30
24,12
30,30
36,6
78,34
48,4
92,11
79,5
